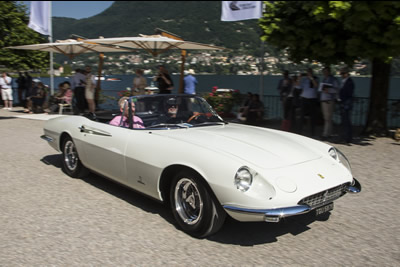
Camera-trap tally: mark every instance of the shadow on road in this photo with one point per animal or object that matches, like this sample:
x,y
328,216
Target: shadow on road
x,y
232,232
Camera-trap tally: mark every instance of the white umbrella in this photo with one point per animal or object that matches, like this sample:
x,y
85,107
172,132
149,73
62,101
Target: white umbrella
x,y
154,44
71,47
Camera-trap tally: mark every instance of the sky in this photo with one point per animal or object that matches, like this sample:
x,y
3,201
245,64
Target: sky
x,y
76,9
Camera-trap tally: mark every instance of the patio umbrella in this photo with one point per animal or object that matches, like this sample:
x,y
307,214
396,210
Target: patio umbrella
x,y
155,45
72,48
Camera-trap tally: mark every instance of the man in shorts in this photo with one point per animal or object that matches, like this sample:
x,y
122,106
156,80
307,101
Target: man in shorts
x,y
6,91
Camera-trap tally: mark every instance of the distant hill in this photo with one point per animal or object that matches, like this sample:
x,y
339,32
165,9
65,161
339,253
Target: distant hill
x,y
197,21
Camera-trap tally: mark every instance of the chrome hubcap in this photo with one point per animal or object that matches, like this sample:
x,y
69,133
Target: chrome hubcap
x,y
70,155
188,202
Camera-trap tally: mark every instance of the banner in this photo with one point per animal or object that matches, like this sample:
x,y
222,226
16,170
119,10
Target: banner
x,y
40,16
241,10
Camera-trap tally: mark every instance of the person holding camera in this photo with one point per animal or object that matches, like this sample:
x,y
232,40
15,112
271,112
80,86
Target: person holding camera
x,y
165,84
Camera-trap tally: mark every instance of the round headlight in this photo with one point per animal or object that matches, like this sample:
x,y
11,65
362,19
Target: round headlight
x,y
333,153
243,179
344,160
339,156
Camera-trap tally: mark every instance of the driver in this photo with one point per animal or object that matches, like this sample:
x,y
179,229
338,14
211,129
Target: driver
x,y
122,120
174,114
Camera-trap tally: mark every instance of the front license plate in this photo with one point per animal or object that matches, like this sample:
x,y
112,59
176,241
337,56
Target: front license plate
x,y
324,209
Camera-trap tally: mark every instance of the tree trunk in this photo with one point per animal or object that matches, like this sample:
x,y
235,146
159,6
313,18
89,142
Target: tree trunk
x,y
377,115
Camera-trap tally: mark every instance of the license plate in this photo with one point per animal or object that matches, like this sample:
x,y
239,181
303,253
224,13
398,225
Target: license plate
x,y
324,209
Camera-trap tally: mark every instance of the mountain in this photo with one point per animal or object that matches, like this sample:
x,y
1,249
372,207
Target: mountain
x,y
197,21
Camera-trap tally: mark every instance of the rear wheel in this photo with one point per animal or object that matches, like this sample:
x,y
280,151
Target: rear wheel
x,y
195,209
71,162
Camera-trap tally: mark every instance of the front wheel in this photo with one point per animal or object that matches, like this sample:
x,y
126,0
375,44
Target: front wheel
x,y
72,165
195,209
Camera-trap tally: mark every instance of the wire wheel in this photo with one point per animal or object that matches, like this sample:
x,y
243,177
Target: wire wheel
x,y
71,158
188,201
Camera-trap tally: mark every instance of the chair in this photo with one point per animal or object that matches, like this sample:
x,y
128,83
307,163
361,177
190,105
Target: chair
x,y
65,105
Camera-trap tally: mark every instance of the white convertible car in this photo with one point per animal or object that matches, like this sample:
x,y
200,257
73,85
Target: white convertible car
x,y
203,167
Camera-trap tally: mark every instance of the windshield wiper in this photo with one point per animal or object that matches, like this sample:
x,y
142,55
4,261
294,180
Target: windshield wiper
x,y
207,123
168,125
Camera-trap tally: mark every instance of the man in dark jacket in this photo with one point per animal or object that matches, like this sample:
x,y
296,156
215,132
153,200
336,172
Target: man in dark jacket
x,y
346,105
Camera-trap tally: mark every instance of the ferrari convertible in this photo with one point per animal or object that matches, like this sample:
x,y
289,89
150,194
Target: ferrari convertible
x,y
185,155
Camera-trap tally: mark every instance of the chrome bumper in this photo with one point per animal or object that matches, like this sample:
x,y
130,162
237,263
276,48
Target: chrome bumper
x,y
275,215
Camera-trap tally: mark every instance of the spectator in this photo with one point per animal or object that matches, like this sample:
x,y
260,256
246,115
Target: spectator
x,y
346,105
21,82
90,91
78,87
6,91
255,110
244,108
28,85
309,102
295,103
37,99
165,84
190,83
328,94
284,88
122,120
64,95
139,83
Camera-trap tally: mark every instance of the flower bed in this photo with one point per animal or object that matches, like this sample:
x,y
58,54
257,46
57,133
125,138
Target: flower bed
x,y
223,101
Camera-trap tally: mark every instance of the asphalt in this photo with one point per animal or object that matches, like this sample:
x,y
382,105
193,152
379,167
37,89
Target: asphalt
x,y
49,219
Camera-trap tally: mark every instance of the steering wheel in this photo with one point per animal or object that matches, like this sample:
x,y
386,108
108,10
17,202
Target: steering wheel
x,y
195,116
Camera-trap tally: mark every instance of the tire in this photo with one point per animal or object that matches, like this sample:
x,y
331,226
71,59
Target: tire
x,y
194,207
71,163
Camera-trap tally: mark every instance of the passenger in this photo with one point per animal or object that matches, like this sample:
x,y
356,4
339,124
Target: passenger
x,y
122,120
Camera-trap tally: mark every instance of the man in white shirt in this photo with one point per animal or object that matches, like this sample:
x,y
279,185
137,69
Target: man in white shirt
x,y
6,91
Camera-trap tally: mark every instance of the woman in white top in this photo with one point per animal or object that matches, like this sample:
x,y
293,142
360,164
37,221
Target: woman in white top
x,y
90,90
139,83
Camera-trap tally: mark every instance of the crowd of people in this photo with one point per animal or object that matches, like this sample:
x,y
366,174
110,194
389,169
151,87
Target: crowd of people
x,y
305,100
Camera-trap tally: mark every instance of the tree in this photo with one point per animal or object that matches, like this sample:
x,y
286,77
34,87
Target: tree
x,y
335,32
13,32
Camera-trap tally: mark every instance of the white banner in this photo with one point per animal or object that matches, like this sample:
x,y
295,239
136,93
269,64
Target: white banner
x,y
241,10
40,16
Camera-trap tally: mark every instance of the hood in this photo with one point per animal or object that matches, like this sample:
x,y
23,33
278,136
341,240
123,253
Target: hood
x,y
259,146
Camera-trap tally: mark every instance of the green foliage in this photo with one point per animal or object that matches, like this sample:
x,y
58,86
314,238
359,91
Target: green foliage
x,y
333,31
13,32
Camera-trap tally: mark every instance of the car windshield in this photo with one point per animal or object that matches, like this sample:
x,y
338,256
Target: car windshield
x,y
174,111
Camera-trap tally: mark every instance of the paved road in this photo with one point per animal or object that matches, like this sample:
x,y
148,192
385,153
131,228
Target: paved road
x,y
49,219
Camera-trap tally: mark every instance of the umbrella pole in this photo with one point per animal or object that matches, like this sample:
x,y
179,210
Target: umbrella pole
x,y
98,85
183,56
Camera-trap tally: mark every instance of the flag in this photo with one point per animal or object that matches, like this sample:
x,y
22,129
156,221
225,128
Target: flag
x,y
40,17
241,10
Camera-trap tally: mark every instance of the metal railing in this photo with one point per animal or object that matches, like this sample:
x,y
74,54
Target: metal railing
x,y
273,110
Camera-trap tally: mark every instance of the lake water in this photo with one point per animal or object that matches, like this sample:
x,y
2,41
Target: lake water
x,y
243,83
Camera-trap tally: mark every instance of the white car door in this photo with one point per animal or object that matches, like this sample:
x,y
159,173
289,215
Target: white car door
x,y
104,146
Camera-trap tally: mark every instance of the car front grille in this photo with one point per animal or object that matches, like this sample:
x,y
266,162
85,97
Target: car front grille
x,y
324,197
